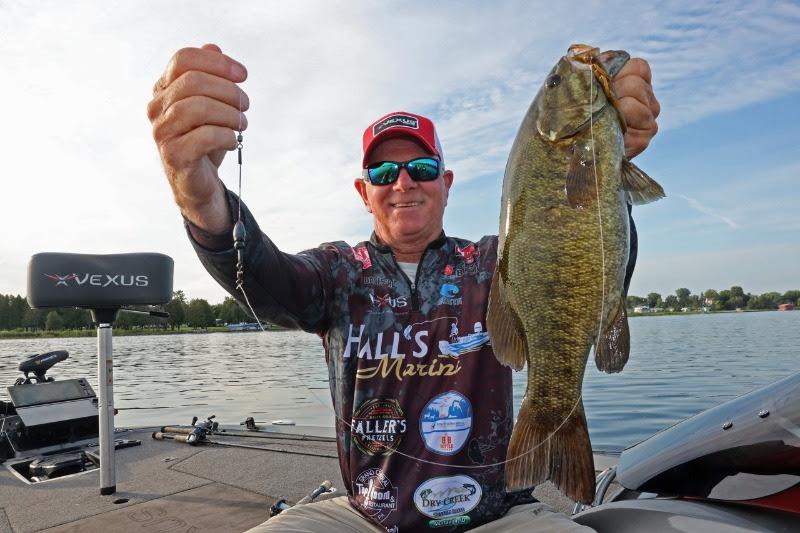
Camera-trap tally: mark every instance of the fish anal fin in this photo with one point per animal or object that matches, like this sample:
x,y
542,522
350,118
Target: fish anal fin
x,y
504,328
580,183
544,448
642,188
614,345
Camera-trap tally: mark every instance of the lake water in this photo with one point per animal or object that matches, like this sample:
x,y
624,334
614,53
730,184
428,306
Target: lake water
x,y
679,366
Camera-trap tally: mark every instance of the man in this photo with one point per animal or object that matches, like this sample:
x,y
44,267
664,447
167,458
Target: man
x,y
423,408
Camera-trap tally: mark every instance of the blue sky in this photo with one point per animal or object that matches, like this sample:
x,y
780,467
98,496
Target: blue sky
x,y
82,173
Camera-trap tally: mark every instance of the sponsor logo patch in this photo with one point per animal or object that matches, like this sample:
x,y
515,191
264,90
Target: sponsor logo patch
x,y
446,422
375,494
379,281
362,255
469,253
378,426
395,121
448,293
446,497
387,302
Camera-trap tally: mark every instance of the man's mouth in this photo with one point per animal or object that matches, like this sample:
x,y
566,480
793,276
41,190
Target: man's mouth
x,y
406,204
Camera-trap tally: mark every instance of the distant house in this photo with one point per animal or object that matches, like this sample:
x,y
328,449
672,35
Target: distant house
x,y
641,309
786,307
657,310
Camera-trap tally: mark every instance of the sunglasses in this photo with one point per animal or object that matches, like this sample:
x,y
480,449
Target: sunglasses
x,y
387,172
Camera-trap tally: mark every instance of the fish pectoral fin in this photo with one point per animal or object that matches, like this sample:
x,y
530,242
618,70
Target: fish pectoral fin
x,y
612,349
642,188
544,448
504,328
580,185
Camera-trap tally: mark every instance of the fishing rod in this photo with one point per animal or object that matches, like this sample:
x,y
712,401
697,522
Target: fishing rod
x,y
187,439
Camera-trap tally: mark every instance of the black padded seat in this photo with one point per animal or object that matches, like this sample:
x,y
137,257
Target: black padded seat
x,y
99,281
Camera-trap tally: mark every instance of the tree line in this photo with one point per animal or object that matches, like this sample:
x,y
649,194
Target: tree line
x,y
714,300
15,313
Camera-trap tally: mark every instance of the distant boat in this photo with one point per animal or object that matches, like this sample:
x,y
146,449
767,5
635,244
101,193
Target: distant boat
x,y
786,307
244,326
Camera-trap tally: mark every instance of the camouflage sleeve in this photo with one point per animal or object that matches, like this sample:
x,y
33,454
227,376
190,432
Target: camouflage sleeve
x,y
285,289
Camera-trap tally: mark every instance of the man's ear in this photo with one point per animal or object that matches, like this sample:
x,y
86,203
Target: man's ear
x,y
361,187
448,182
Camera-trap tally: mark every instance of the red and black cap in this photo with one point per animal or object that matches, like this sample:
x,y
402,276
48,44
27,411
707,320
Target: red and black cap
x,y
398,124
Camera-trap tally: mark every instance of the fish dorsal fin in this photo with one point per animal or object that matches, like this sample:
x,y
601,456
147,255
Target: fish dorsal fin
x,y
504,328
642,188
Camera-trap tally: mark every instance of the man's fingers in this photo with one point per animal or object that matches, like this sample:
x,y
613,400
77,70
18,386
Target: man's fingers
x,y
636,141
201,84
208,60
185,151
637,115
636,66
193,112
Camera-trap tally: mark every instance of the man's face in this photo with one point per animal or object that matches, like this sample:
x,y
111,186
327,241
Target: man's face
x,y
406,211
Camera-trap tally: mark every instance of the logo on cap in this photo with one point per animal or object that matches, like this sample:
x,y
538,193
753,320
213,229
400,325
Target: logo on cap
x,y
395,121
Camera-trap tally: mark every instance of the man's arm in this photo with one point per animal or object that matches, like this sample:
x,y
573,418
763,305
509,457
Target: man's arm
x,y
196,111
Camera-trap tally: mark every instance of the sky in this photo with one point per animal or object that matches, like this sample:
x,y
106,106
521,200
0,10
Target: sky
x,y
82,174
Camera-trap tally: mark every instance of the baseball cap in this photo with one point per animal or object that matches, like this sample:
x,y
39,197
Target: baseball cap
x,y
401,123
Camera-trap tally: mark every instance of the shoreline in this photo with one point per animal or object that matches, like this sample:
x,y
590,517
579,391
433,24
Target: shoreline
x,y
78,333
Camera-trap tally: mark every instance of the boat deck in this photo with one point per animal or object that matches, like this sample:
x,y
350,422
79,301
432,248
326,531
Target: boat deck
x,y
171,486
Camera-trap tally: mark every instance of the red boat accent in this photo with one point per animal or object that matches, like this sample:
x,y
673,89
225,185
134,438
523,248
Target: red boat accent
x,y
788,500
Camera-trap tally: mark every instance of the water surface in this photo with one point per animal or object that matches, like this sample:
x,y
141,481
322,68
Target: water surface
x,y
679,366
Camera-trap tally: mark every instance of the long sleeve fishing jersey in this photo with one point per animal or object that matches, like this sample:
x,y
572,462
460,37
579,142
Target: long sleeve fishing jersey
x,y
423,408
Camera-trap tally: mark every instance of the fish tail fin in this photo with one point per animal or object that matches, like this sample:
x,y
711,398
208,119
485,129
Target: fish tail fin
x,y
642,188
580,185
504,328
546,448
612,349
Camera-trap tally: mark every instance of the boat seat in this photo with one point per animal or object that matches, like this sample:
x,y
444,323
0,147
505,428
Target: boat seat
x,y
99,281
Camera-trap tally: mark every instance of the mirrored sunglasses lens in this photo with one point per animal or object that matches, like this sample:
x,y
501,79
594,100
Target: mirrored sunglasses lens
x,y
384,173
424,169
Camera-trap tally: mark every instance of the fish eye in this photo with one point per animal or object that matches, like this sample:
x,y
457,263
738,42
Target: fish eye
x,y
552,81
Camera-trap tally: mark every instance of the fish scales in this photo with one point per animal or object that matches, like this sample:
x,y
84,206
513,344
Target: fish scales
x,y
563,251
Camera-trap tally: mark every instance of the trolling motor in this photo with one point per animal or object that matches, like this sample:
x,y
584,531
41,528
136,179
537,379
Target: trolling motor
x,y
103,284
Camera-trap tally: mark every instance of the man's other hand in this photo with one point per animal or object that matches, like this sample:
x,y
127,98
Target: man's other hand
x,y
638,104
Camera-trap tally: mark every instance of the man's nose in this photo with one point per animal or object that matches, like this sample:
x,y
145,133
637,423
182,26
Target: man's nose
x,y
404,181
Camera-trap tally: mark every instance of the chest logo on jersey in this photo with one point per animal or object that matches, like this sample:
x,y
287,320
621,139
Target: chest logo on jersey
x,y
362,256
378,426
375,494
469,253
448,293
386,301
444,498
446,422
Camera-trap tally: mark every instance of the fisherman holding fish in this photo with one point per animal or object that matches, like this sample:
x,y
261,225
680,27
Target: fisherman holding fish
x,y
423,399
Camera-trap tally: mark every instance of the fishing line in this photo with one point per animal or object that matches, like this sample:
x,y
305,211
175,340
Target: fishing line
x,y
239,243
